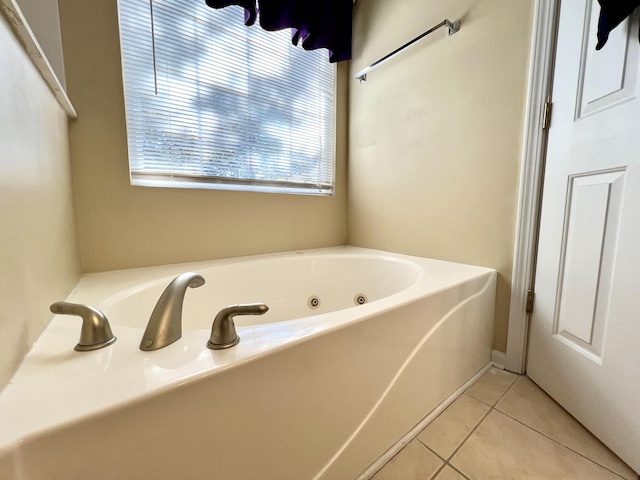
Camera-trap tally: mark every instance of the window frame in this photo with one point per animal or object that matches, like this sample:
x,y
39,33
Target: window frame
x,y
171,179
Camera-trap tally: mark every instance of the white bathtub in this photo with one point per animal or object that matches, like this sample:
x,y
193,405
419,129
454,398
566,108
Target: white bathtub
x,y
307,393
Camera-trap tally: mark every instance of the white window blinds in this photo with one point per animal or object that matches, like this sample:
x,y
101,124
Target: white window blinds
x,y
212,103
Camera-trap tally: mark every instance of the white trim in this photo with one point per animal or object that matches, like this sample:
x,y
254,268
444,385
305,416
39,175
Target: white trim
x,y
11,11
499,359
376,466
531,176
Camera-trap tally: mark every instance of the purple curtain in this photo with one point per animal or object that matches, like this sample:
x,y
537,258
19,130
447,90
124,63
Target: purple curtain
x,y
612,13
314,23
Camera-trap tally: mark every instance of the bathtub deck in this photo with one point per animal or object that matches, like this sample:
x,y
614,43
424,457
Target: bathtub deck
x,y
361,377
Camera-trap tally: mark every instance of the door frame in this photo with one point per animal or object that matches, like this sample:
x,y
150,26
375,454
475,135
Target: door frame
x,y
543,42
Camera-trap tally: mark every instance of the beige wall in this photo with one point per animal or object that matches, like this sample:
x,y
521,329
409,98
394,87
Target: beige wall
x,y
435,139
121,226
436,133
39,260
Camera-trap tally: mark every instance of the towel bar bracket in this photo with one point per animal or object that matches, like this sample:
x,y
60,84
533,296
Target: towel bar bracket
x,y
453,27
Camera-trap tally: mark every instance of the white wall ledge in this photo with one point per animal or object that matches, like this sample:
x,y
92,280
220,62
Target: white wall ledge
x,y
20,27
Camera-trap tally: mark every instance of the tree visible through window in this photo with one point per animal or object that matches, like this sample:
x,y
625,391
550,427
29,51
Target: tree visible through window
x,y
212,103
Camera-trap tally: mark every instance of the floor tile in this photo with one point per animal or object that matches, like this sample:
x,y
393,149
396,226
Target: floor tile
x,y
504,448
453,425
493,384
529,404
448,473
414,462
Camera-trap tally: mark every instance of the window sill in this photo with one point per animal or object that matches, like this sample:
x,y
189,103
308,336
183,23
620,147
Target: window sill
x,y
254,188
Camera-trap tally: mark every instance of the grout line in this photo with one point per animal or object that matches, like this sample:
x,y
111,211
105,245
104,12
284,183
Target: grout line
x,y
446,459
508,389
466,437
502,396
551,438
437,472
432,451
464,440
386,457
481,401
491,408
458,471
560,443
445,465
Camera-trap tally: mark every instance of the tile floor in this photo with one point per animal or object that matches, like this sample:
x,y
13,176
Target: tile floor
x,y
505,427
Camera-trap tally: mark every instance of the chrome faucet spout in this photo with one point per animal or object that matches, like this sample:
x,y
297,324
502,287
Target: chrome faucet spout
x,y
223,331
96,332
165,323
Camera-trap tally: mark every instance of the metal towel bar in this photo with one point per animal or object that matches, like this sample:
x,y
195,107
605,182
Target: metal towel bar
x,y
453,28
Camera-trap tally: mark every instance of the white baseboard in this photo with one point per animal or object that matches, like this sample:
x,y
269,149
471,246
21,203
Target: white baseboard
x,y
499,359
413,433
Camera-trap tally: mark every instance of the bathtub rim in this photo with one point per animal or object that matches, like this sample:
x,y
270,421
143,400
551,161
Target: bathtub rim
x,y
204,268
128,338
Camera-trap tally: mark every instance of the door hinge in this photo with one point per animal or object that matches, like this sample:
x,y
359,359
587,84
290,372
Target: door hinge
x,y
530,296
546,115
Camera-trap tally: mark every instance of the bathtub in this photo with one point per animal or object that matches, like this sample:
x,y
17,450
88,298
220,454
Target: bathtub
x,y
316,389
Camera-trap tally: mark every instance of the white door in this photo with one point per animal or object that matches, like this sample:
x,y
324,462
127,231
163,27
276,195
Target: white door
x,y
584,345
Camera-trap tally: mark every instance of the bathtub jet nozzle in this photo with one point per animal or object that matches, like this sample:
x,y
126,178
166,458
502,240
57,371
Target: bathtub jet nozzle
x,y
223,331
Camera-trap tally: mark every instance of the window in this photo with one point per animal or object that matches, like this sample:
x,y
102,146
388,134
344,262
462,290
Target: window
x,y
211,103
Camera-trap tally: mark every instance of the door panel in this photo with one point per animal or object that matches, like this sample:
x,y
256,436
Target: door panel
x,y
606,78
584,345
586,260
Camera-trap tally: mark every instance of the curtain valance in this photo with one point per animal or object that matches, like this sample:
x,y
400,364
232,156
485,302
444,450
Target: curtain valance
x,y
314,23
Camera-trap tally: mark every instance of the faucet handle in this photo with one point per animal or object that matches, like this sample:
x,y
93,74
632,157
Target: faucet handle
x,y
96,332
223,331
